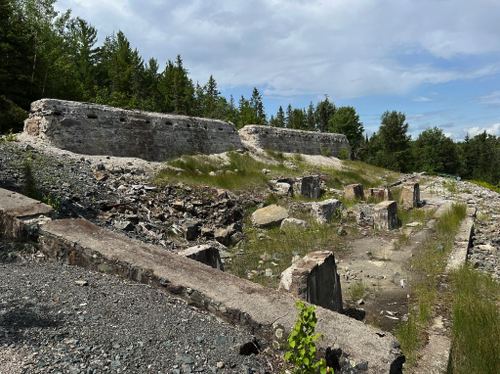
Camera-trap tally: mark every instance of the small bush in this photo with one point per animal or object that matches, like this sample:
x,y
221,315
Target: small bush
x,y
301,347
343,154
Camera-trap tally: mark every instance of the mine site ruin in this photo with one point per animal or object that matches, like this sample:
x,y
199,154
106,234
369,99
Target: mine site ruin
x,y
235,226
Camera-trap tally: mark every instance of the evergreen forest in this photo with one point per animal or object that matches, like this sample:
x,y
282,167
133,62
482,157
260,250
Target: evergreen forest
x,y
46,54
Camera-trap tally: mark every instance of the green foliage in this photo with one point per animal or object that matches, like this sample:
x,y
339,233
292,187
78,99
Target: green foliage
x,y
54,202
301,351
346,121
475,347
427,267
343,154
433,152
324,151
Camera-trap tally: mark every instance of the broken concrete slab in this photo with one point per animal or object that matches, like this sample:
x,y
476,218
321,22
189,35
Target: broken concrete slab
x,y
269,216
206,254
21,215
314,279
233,299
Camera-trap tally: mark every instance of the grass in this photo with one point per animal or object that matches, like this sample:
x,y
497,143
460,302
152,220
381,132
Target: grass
x,y
426,270
475,332
237,171
274,249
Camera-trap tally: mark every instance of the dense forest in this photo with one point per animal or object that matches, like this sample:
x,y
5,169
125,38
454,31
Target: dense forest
x,y
47,54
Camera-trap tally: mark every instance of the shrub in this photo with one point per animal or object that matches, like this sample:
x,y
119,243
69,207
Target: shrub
x,y
302,349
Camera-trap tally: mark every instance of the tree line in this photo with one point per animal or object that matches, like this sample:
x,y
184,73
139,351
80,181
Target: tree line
x,y
47,54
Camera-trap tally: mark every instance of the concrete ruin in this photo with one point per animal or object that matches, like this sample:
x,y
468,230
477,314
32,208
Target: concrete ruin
x,y
378,193
385,215
95,129
235,300
354,191
327,209
294,141
314,279
410,194
308,186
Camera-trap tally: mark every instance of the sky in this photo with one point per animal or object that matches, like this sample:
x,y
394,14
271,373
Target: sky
x,y
437,61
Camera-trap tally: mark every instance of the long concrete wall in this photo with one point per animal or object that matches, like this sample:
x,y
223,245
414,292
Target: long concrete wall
x,y
294,141
95,129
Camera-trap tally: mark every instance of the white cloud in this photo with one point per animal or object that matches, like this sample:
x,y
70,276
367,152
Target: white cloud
x,y
345,48
492,130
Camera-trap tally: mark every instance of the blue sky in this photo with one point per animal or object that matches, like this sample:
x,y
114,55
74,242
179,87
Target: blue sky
x,y
437,61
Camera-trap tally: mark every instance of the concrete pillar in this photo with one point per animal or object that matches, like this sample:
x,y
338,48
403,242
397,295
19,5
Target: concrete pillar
x,y
385,215
410,194
314,279
354,191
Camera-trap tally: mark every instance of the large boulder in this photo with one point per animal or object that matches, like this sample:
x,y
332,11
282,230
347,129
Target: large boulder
x,y
269,216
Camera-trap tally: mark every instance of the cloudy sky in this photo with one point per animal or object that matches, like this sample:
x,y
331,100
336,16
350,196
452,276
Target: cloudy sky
x,y
437,61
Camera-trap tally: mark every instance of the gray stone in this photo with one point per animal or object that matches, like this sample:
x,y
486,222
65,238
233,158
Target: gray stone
x,y
314,279
269,216
206,254
410,194
292,224
190,229
385,215
327,209
308,186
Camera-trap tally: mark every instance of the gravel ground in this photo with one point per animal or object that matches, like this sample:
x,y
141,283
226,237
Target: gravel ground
x,y
49,323
56,318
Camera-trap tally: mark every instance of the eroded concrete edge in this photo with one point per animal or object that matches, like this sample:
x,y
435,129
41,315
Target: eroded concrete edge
x,y
436,354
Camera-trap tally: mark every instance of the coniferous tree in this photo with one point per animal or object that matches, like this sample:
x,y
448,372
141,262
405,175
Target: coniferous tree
x,y
324,111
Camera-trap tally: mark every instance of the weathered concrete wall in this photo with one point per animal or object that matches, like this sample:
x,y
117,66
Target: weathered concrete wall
x,y
410,194
385,215
294,141
95,129
314,279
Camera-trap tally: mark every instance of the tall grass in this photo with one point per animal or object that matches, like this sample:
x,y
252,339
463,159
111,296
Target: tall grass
x,y
475,331
426,269
237,172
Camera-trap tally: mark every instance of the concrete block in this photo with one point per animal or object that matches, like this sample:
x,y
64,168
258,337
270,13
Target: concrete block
x,y
327,209
308,186
410,194
314,279
354,191
379,193
385,215
206,254
20,215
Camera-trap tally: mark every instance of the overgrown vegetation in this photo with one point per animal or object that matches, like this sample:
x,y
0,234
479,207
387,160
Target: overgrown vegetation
x,y
301,351
237,171
426,270
475,331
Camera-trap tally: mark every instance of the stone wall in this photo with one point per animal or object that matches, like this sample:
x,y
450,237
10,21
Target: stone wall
x,y
95,129
294,141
